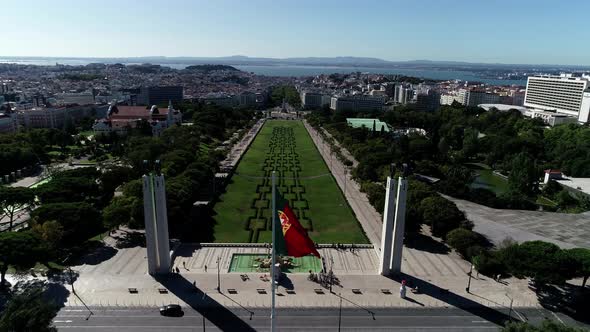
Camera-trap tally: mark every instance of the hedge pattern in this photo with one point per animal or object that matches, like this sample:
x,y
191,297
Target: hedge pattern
x,y
281,157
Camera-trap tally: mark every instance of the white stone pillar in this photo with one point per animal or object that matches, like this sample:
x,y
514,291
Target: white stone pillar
x,y
149,212
162,224
387,232
399,226
156,224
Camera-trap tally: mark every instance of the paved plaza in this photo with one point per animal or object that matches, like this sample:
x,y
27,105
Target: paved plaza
x,y
567,230
106,280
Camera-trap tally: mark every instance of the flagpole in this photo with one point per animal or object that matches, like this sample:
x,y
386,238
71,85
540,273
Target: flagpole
x,y
272,266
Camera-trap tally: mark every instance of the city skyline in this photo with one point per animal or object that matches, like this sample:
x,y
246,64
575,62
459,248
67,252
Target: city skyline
x,y
498,32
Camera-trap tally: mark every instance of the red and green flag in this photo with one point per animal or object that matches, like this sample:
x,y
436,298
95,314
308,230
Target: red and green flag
x,y
291,239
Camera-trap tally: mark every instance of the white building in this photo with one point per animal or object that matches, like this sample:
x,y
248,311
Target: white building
x,y
82,98
311,99
42,117
357,103
563,94
551,118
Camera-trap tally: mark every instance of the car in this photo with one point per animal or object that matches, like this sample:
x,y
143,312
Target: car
x,y
173,310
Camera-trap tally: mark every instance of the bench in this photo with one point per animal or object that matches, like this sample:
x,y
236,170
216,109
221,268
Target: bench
x,y
232,291
356,291
133,290
319,291
162,291
261,291
385,291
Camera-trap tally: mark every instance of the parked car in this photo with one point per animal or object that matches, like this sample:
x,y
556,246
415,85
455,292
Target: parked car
x,y
173,310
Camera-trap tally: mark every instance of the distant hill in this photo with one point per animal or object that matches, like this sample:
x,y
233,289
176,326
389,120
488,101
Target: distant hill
x,y
209,68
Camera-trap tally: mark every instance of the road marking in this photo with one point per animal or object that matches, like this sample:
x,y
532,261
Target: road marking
x,y
559,319
62,321
479,321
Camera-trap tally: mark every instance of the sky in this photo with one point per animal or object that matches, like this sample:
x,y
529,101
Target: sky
x,y
491,31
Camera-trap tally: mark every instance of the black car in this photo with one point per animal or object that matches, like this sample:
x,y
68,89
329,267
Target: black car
x,y
173,310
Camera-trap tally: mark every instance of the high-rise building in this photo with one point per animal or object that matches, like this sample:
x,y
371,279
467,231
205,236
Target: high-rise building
x,y
428,102
159,95
357,103
562,94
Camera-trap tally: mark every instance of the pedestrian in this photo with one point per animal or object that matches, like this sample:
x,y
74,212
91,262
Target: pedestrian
x,y
177,270
402,290
498,277
184,265
195,284
205,268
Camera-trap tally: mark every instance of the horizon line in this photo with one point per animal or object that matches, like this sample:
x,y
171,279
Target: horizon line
x,y
291,58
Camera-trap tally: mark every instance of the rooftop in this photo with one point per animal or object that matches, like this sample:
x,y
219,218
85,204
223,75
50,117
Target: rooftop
x,y
580,184
368,123
502,107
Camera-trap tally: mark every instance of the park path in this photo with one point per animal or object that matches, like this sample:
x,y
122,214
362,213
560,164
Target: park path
x,y
370,219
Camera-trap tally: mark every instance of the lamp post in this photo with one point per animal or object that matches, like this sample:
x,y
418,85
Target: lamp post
x,y
469,280
345,180
339,312
510,310
218,275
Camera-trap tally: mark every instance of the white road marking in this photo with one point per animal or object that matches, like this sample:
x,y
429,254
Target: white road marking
x,y
559,319
62,321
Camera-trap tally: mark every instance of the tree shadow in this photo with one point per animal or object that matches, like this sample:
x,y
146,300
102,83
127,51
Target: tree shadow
x,y
186,250
490,314
426,243
130,239
98,255
212,310
571,300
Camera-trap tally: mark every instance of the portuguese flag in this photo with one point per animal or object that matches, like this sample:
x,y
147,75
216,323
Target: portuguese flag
x,y
291,238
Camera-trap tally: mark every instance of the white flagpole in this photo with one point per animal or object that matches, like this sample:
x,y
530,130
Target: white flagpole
x,y
273,261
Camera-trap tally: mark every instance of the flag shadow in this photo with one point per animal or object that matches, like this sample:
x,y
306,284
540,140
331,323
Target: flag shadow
x,y
211,310
490,314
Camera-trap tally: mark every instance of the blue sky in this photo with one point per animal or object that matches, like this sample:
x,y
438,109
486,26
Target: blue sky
x,y
506,31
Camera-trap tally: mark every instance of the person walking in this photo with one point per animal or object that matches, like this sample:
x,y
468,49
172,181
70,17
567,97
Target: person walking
x,y
205,268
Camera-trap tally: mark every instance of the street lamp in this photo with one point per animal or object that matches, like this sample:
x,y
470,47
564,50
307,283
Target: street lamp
x,y
510,310
218,275
469,281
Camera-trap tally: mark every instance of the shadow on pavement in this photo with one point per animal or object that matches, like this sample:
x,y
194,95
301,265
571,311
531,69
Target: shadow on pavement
x,y
423,242
130,239
212,310
571,300
490,314
286,282
98,255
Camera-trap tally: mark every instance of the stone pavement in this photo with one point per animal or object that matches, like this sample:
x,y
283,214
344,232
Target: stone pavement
x,y
441,279
369,218
564,229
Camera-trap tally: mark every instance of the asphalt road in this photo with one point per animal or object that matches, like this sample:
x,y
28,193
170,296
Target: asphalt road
x,y
149,319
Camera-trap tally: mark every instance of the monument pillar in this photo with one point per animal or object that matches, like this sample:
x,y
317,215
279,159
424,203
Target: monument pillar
x,y
387,232
399,225
156,223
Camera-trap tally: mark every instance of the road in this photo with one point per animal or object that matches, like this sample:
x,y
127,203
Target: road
x,y
309,319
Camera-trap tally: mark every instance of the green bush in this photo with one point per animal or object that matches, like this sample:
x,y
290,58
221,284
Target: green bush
x,y
462,239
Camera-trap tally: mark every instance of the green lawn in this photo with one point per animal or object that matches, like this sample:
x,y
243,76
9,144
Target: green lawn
x,y
243,212
246,263
486,178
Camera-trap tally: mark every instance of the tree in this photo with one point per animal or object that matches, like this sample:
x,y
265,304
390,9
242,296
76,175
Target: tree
x,y
441,214
541,261
582,258
79,220
28,310
50,232
551,188
523,178
462,239
20,250
14,199
118,212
